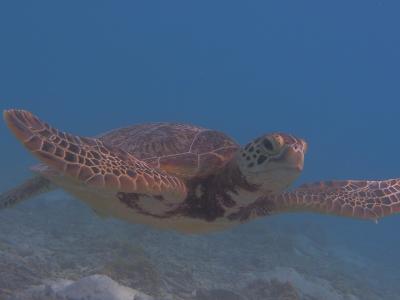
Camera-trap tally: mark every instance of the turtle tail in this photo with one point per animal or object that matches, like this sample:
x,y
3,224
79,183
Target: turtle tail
x,y
30,188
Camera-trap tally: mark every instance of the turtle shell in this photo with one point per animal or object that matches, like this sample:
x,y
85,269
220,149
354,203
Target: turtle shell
x,y
180,149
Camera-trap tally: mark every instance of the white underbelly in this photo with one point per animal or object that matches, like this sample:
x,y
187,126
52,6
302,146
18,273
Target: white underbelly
x,y
108,205
242,199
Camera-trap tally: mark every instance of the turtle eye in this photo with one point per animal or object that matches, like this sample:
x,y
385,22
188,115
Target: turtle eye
x,y
268,144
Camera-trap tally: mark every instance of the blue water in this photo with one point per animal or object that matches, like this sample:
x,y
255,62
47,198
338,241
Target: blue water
x,y
325,71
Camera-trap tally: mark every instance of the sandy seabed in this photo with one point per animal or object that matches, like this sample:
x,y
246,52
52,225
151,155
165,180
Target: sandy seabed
x,y
55,239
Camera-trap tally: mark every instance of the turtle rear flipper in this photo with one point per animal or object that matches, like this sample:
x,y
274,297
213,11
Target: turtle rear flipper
x,y
90,162
29,189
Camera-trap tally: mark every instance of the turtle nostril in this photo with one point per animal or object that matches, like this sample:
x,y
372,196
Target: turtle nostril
x,y
296,147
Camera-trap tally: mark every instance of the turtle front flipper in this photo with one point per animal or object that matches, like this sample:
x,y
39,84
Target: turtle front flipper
x,y
90,162
349,198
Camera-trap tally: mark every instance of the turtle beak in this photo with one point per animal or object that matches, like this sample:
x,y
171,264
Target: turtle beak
x,y
295,159
299,167
304,146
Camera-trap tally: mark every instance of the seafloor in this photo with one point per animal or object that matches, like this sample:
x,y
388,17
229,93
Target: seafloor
x,y
55,237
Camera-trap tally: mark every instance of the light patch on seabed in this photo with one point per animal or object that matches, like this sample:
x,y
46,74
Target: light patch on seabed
x,y
314,287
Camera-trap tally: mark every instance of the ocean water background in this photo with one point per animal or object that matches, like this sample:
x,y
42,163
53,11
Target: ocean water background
x,y
325,71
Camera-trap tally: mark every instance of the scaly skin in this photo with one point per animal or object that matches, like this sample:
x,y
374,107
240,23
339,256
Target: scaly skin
x,y
200,174
349,198
90,161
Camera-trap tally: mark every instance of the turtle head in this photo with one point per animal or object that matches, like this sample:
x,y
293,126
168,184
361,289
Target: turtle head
x,y
272,161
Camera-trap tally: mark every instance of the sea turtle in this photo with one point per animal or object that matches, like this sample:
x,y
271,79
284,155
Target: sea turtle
x,y
187,178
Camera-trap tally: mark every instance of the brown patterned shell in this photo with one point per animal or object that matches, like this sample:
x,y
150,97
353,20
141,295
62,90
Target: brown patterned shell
x,y
179,149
